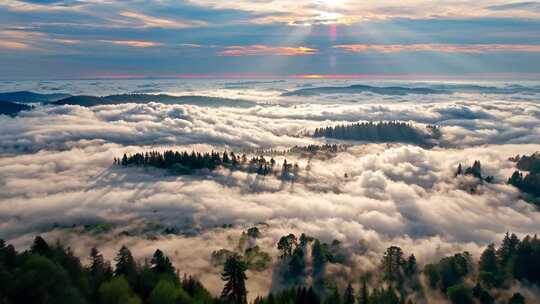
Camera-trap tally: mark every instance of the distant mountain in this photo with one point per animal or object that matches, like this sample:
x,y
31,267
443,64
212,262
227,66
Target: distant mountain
x,y
31,97
429,89
471,88
11,108
399,91
89,101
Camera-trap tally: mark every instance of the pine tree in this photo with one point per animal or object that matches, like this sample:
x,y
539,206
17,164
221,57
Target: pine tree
x,y
392,264
516,298
234,275
125,265
363,298
488,267
459,170
162,264
334,297
411,268
286,245
507,249
40,246
348,297
100,270
124,160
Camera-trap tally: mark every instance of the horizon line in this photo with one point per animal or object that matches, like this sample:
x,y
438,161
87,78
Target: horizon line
x,y
307,76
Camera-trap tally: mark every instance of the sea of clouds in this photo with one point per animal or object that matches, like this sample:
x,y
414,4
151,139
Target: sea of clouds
x,y
57,173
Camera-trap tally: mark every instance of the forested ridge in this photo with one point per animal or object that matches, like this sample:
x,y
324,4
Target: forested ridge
x,y
391,131
308,150
183,163
51,273
529,182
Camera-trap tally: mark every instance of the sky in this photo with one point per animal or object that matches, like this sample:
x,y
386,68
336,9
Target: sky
x,y
65,39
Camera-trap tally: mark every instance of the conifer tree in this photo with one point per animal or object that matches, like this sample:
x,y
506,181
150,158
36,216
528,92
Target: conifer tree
x,y
162,264
234,275
125,265
363,298
348,296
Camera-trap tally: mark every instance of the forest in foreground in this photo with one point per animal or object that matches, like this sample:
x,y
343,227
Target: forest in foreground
x,y
51,273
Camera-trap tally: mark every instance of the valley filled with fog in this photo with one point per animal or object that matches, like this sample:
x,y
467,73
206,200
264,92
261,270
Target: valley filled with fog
x,y
59,177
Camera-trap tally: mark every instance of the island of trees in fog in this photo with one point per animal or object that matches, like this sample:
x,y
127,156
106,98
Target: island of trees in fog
x,y
381,132
183,163
307,151
475,170
52,274
530,182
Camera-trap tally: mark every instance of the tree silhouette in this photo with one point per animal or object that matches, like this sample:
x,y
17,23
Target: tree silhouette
x,y
125,265
348,296
363,297
234,275
161,264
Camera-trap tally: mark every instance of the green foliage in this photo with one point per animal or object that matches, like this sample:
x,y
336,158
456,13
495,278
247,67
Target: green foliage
x,y
184,163
334,297
219,257
297,267
516,298
475,170
525,263
380,132
460,294
98,228
162,265
286,245
300,295
384,296
257,259
392,265
363,297
166,292
234,275
100,271
433,275
196,291
117,291
488,267
254,232
528,163
348,296
125,265
449,271
40,280
482,295
529,183
52,274
39,246
319,258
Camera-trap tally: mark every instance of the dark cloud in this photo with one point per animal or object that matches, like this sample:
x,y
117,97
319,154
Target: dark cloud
x,y
529,5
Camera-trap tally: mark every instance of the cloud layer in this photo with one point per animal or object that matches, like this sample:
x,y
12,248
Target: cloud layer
x,y
57,174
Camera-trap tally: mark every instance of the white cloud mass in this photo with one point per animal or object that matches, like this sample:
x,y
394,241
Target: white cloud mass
x,y
57,175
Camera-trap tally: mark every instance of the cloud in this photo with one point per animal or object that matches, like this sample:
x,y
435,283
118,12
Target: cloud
x,y
159,22
12,45
133,43
529,5
444,48
265,50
